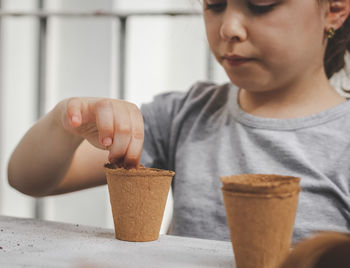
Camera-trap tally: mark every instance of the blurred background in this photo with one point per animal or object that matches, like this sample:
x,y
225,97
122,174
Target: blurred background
x,y
70,50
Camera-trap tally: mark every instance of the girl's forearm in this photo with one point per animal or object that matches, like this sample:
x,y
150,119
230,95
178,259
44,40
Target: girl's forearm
x,y
42,158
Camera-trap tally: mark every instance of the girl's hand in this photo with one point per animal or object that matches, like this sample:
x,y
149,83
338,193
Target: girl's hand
x,y
110,124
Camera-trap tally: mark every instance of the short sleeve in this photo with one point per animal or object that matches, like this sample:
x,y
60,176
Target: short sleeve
x,y
165,117
158,117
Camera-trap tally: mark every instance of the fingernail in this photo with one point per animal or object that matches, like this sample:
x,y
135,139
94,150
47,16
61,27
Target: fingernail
x,y
107,141
75,119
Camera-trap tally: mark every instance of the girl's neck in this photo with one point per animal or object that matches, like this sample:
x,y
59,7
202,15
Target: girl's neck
x,y
311,95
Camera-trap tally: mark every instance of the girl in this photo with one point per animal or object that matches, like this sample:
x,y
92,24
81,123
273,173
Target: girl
x,y
282,117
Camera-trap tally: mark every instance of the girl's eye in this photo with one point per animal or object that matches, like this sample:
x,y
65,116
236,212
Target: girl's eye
x,y
261,9
218,7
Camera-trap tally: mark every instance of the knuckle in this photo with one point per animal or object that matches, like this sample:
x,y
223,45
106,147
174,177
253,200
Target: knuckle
x,y
138,134
135,110
73,102
133,107
123,128
103,103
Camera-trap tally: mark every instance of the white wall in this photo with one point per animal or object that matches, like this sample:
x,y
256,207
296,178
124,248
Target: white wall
x,y
18,96
81,61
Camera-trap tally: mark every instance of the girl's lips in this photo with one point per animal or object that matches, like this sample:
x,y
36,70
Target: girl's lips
x,y
236,60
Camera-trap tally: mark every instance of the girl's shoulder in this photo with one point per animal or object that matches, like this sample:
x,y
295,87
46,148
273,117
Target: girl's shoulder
x,y
200,95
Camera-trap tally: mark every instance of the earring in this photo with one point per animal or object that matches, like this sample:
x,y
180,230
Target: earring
x,y
330,33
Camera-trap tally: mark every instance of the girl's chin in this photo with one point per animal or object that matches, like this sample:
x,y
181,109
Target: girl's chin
x,y
253,82
251,86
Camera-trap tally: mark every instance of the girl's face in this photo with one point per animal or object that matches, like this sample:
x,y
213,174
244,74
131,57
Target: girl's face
x,y
266,44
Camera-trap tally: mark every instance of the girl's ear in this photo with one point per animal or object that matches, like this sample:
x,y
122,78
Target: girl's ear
x,y
337,13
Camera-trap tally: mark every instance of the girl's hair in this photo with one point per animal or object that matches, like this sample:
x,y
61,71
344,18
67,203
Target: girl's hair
x,y
337,46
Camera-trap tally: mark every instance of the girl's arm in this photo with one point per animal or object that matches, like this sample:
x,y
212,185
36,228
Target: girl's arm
x,y
53,158
85,171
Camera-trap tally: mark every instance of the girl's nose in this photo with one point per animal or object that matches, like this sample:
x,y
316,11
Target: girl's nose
x,y
232,27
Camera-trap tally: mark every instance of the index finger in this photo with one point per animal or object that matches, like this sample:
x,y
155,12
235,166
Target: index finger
x,y
74,106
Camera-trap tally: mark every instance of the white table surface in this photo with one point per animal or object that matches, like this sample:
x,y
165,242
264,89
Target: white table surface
x,y
36,243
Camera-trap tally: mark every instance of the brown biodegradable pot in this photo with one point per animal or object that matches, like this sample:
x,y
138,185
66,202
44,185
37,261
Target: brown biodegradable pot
x,y
138,198
261,183
324,250
260,212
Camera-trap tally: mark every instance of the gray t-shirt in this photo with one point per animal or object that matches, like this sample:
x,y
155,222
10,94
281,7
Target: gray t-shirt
x,y
203,134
